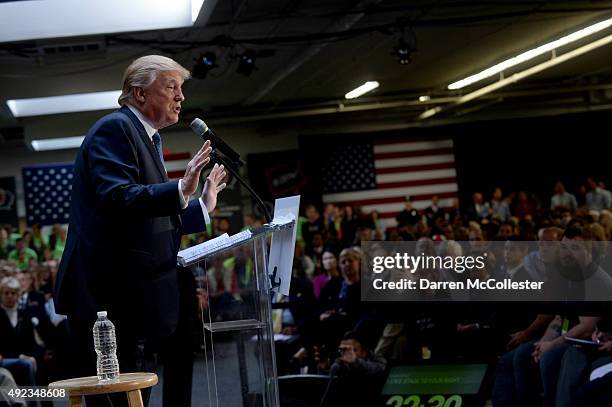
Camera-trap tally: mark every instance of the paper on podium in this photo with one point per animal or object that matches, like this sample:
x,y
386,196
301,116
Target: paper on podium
x,y
203,249
286,210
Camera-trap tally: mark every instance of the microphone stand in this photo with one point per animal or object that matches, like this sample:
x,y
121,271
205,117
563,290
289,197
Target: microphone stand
x,y
232,168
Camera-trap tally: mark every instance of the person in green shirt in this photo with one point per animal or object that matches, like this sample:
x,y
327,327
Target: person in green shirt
x,y
57,240
22,254
12,236
39,241
5,246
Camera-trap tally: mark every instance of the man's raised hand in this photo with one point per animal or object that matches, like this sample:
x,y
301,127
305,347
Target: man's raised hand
x,y
190,180
213,185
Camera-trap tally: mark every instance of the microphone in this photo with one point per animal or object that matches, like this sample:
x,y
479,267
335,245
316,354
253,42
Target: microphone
x,y
201,129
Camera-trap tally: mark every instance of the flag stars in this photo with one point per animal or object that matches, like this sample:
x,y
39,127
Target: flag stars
x,y
47,190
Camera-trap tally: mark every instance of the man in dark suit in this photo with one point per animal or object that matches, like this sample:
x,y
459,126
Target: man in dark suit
x,y
126,221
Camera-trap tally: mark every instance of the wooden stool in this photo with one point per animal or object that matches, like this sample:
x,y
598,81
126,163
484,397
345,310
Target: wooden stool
x,y
130,383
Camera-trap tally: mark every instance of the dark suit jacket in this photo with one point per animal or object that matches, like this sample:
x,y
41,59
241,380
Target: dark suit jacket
x,y
18,340
124,233
34,307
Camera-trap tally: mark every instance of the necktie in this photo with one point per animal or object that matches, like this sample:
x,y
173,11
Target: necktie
x,y
158,146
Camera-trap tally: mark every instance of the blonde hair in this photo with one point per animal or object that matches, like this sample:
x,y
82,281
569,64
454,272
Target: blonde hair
x,y
353,251
142,72
10,283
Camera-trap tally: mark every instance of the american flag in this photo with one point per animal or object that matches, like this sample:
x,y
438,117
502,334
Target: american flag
x,y
47,189
176,163
379,175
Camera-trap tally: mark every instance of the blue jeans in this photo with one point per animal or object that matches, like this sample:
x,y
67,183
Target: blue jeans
x,y
575,369
23,370
516,378
550,368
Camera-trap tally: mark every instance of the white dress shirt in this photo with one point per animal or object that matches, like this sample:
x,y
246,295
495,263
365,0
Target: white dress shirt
x,y
150,130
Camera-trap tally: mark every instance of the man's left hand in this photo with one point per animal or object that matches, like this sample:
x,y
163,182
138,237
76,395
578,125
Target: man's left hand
x,y
541,348
517,338
214,184
606,346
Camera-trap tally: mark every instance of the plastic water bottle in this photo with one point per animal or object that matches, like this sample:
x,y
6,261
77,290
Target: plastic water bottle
x,y
105,343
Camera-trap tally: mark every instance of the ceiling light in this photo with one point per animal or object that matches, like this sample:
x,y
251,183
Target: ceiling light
x,y
196,6
29,20
424,98
246,65
80,102
430,112
365,88
60,143
403,52
532,53
515,77
204,64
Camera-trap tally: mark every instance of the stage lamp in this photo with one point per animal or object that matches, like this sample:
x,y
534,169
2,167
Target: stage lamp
x,y
403,52
246,64
205,63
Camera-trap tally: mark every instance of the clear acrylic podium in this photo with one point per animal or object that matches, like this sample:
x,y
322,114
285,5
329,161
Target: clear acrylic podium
x,y
235,291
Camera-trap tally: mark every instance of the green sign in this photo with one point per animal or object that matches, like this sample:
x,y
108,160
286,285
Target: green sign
x,y
435,379
426,401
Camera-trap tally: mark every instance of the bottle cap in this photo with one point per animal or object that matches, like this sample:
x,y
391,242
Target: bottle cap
x,y
101,314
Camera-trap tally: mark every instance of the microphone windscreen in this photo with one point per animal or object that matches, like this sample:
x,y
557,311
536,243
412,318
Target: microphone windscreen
x,y
198,126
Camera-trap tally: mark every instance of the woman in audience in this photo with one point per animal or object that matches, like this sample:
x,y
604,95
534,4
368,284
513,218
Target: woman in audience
x,y
19,350
329,272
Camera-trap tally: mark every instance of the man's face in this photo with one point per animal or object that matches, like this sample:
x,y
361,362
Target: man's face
x,y
575,253
506,231
497,194
25,279
248,220
365,234
312,214
476,240
349,345
514,253
337,212
449,232
591,183
329,261
349,265
549,247
161,101
329,210
224,225
478,198
9,297
423,246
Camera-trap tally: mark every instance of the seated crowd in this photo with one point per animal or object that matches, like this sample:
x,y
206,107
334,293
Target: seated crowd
x,y
32,335
325,328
